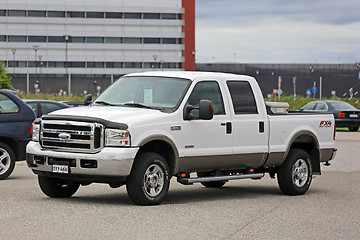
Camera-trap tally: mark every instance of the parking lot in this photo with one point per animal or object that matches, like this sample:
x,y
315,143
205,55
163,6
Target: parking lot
x,y
243,209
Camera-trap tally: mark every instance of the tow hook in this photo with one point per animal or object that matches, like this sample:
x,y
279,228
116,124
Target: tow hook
x,y
327,163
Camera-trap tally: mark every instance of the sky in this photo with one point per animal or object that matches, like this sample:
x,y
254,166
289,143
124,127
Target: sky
x,y
277,31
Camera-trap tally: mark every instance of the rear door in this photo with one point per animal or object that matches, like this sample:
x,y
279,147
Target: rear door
x,y
250,126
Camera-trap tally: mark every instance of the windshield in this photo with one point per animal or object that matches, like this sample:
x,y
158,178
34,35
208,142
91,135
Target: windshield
x,y
146,92
341,106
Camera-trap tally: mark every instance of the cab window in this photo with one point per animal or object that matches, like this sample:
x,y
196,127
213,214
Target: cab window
x,y
242,97
7,105
208,90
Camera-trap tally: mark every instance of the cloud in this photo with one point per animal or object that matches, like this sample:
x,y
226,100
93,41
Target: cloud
x,y
277,31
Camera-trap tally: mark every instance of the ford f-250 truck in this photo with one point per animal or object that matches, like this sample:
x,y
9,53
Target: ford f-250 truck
x,y
148,127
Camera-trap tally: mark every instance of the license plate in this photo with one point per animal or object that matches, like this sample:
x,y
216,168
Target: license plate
x,y
60,169
353,115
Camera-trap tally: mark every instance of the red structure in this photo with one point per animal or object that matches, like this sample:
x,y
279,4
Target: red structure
x,y
189,31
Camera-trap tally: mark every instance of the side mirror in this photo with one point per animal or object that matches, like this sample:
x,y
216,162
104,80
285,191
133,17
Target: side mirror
x,y
87,100
206,110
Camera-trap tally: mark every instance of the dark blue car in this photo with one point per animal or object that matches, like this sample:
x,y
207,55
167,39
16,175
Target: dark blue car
x,y
15,123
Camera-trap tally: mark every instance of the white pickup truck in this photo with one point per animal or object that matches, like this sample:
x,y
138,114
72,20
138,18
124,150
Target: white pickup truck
x,y
148,127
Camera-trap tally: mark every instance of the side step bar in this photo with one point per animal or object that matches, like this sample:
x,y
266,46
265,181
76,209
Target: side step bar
x,y
189,181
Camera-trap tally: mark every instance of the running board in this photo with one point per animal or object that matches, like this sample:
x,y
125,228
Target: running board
x,y
189,181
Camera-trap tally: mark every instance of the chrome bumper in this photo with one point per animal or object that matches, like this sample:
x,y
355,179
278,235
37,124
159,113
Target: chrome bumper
x,y
110,161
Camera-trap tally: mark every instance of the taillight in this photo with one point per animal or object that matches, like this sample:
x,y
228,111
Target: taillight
x,y
341,115
334,131
31,129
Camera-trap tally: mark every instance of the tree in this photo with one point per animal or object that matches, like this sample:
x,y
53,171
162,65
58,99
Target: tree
x,y
5,79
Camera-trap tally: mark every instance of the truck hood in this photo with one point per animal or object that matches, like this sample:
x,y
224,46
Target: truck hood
x,y
111,113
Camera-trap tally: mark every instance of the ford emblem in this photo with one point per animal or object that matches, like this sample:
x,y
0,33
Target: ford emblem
x,y
64,136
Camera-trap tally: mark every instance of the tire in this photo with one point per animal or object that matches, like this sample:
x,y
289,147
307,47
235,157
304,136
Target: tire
x,y
149,179
214,184
57,188
353,129
7,161
295,174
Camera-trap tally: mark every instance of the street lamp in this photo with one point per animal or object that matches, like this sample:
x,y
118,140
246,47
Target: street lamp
x,y
36,48
155,57
41,82
13,51
67,39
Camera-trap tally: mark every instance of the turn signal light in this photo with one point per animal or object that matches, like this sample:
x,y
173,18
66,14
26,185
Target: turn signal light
x,y
183,175
341,115
251,170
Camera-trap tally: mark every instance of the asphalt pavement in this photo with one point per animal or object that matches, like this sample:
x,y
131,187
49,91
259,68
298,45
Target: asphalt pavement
x,y
242,209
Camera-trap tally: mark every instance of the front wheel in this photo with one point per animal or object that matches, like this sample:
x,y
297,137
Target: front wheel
x,y
7,161
149,179
57,188
295,175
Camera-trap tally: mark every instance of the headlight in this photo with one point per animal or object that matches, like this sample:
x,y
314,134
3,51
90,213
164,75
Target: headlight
x,y
35,131
115,137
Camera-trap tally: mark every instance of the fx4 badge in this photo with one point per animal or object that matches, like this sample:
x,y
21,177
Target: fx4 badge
x,y
325,124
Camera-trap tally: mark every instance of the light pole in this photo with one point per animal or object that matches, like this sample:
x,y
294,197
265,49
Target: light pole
x,y
41,82
155,57
67,38
36,48
13,51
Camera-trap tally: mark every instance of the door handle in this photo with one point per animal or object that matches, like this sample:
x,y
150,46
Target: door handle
x,y
261,127
228,127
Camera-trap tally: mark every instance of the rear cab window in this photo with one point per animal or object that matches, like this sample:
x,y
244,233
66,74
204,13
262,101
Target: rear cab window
x,y
242,97
7,106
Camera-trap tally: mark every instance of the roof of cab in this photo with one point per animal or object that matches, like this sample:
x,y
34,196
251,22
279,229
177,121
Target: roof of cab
x,y
190,75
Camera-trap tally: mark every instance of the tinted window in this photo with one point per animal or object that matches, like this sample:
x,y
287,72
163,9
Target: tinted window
x,y
55,39
76,14
113,40
17,13
2,38
113,15
78,39
152,40
94,14
169,41
210,91
2,12
49,107
17,39
32,13
132,40
95,40
77,64
7,105
133,15
133,65
242,97
310,106
168,16
151,15
36,39
56,14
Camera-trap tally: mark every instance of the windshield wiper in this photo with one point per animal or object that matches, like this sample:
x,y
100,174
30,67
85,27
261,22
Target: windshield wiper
x,y
139,105
104,103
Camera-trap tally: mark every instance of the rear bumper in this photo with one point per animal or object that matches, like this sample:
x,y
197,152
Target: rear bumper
x,y
110,163
327,154
347,122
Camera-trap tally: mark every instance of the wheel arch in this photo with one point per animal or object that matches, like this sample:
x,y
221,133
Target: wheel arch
x,y
308,142
164,146
12,144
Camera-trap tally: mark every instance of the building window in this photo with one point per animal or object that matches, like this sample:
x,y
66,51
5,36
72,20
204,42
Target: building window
x,y
95,40
2,12
59,14
169,41
95,64
113,15
95,15
132,40
133,65
22,64
77,39
169,16
2,38
77,64
16,13
36,39
113,40
151,40
55,39
76,14
132,15
151,15
32,13
17,38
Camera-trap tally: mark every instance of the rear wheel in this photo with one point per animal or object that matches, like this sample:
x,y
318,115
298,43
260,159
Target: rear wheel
x,y
7,161
295,175
57,188
353,129
149,179
213,184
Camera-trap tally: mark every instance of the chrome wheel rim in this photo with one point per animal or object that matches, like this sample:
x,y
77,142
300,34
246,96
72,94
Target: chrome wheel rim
x,y
4,161
300,173
153,180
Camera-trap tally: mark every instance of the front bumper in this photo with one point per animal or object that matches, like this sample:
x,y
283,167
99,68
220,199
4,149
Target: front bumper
x,y
110,162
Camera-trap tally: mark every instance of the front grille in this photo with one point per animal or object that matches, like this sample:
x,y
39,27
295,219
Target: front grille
x,y
72,136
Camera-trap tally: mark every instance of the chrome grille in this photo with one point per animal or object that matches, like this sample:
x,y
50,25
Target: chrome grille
x,y
81,136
